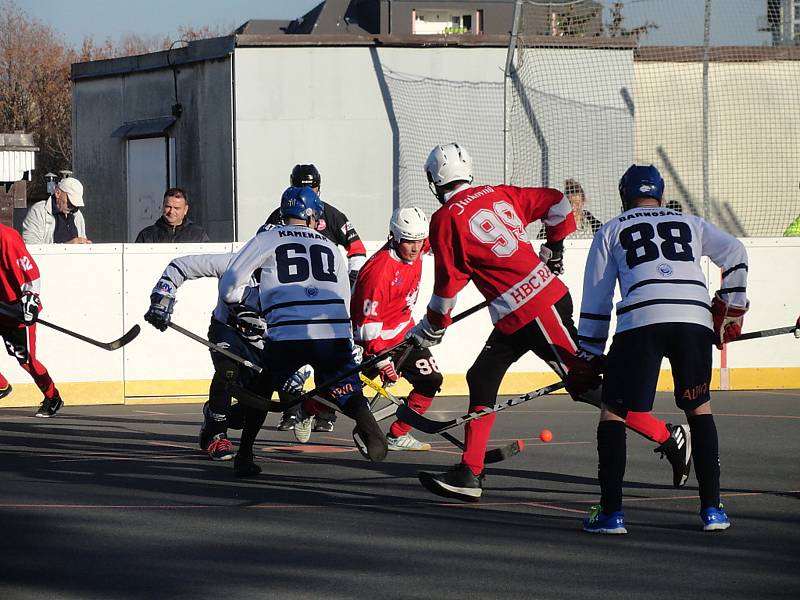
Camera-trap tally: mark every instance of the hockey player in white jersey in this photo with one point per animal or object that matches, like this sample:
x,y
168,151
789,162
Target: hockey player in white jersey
x,y
665,311
304,295
238,328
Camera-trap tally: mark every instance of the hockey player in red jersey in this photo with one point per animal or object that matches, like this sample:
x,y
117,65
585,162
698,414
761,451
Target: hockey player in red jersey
x,y
19,295
479,235
385,294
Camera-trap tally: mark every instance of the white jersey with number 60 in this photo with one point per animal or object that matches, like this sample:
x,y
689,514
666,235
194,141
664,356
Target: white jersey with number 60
x,y
655,254
304,286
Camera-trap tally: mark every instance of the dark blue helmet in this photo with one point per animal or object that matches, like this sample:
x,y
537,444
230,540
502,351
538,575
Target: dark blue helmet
x,y
301,203
640,182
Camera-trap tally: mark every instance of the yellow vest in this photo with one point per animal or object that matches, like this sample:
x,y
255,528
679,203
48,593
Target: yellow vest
x,y
794,229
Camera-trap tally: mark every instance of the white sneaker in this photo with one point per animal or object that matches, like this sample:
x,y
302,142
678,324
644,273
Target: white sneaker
x,y
302,427
406,442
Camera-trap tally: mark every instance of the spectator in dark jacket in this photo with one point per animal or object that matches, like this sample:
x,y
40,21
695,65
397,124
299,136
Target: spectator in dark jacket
x,y
173,226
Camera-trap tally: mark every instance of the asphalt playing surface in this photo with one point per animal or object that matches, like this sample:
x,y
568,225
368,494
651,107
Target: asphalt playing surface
x,y
118,502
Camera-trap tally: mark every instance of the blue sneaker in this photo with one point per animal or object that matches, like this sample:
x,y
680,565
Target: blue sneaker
x,y
599,522
714,519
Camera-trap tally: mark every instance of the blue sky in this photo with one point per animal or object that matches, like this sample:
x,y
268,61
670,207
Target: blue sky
x,y
77,19
680,21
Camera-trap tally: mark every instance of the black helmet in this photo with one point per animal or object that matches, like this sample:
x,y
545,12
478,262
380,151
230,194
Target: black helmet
x,y
305,176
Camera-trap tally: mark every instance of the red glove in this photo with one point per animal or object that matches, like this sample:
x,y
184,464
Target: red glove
x,y
727,320
584,373
388,373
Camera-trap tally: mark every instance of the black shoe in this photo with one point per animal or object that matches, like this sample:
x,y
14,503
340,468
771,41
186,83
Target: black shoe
x,y
678,450
213,425
458,482
50,406
321,424
369,439
287,422
243,466
5,391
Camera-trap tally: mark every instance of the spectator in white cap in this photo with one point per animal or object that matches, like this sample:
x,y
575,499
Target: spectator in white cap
x,y
57,220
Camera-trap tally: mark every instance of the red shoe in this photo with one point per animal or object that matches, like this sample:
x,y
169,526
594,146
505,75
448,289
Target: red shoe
x,y
220,448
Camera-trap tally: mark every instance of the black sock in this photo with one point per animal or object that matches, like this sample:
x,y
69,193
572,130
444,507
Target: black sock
x,y
253,420
611,452
705,453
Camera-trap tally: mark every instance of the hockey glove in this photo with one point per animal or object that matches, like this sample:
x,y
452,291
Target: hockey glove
x,y
727,320
29,307
424,335
358,354
247,322
388,373
584,373
552,254
158,315
797,329
295,383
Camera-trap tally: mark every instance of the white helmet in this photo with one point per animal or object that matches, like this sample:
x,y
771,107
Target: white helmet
x,y
408,224
447,163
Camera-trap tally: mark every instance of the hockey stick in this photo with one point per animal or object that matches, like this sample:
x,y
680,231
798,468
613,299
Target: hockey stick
x,y
213,347
115,345
368,364
754,335
417,421
492,456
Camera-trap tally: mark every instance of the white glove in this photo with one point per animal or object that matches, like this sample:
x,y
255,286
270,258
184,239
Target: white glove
x,y
358,354
295,383
424,335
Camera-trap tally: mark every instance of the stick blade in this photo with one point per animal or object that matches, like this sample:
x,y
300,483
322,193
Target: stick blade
x,y
125,339
496,455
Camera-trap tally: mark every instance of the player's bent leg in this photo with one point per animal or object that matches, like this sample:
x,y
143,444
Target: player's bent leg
x,y
464,481
21,344
399,436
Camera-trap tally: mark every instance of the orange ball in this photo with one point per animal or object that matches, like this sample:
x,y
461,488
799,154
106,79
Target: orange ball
x,y
546,435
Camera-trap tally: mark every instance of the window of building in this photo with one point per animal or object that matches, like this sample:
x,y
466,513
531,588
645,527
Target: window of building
x,y
437,21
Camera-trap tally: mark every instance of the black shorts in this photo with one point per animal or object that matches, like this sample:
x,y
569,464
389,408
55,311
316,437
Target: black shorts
x,y
631,370
222,334
419,368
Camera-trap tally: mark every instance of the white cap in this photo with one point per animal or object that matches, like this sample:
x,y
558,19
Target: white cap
x,y
74,190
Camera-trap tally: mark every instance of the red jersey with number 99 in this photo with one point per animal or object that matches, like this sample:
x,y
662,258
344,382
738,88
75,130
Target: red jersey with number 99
x,y
479,236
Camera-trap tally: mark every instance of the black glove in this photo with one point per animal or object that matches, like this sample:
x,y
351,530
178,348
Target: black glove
x,y
29,307
584,373
248,323
158,315
552,254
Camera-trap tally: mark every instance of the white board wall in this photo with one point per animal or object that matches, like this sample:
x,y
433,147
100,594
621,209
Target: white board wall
x,y
102,290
